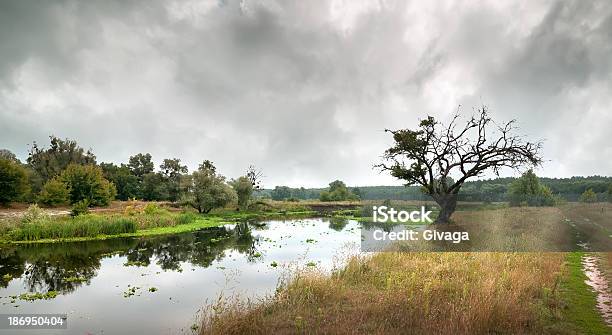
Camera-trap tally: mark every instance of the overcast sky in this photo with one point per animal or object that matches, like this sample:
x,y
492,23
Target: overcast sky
x,y
302,89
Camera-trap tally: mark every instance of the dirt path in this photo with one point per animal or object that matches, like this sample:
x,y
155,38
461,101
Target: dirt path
x,y
597,280
593,224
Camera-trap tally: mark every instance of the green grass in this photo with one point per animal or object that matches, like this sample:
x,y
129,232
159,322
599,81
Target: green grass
x,y
82,226
182,228
580,300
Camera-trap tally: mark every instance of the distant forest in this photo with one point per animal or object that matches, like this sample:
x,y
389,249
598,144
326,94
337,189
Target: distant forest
x,y
493,190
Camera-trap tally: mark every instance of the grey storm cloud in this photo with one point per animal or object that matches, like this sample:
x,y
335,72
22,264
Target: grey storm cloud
x,y
302,89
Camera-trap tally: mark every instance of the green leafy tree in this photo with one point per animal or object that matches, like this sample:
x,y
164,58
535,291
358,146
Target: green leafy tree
x,y
588,196
280,193
50,162
527,190
356,191
610,193
207,165
325,196
7,154
172,170
244,189
13,181
122,177
35,183
87,182
54,193
209,190
140,165
300,193
337,192
429,155
153,187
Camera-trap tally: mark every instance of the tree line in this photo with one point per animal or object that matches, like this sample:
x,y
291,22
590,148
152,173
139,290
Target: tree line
x,y
489,190
64,173
337,191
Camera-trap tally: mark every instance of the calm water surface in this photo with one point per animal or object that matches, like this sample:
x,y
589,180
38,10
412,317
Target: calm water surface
x,y
174,275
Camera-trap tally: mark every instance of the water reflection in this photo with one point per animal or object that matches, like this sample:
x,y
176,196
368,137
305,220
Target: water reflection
x,y
338,224
63,267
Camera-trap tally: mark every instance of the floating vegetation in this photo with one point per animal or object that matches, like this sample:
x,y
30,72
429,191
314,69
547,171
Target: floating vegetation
x,y
215,240
75,279
135,263
131,291
36,296
152,289
274,264
311,241
257,254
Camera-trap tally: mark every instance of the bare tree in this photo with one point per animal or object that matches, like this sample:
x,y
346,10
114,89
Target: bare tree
x,y
430,155
255,176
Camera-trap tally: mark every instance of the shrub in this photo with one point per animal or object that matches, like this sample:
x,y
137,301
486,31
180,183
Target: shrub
x,y
34,214
54,193
151,209
588,196
86,182
527,191
13,181
325,196
80,208
130,210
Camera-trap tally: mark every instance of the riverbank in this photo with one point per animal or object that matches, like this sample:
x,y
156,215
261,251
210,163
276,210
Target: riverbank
x,y
37,225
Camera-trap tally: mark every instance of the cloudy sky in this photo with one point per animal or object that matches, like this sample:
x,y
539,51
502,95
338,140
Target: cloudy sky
x,y
302,89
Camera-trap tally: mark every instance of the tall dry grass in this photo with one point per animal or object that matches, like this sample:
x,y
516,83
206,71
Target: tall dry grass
x,y
405,293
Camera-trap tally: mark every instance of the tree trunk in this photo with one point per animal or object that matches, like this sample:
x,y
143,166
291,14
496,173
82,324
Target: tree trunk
x,y
448,204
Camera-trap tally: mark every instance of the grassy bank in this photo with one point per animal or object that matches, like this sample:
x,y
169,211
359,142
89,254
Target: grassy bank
x,y
425,293
37,226
395,293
